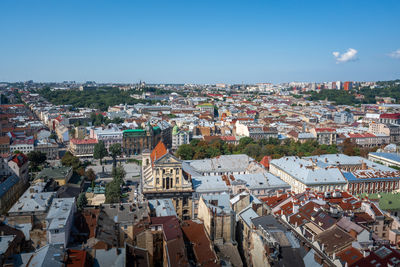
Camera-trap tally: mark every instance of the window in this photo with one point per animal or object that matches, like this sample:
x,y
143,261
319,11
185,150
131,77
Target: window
x,y
177,180
158,180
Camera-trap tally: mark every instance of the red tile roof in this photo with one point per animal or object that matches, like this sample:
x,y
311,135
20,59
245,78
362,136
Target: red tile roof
x,y
159,151
350,255
197,236
265,161
83,141
76,258
325,130
395,116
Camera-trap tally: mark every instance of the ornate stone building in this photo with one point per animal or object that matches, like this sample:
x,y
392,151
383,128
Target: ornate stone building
x,y
163,177
136,140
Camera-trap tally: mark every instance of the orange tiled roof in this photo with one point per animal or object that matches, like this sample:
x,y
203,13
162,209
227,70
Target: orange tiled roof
x,y
159,151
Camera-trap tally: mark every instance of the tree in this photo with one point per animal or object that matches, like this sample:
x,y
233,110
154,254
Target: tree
x,y
90,175
100,151
115,150
70,160
72,132
54,136
118,173
185,152
36,158
113,189
81,201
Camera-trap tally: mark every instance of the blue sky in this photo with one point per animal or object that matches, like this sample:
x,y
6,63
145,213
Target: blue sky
x,y
199,41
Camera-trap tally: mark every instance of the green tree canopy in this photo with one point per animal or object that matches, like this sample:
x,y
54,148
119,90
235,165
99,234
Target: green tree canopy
x,y
70,160
81,202
115,151
36,158
100,151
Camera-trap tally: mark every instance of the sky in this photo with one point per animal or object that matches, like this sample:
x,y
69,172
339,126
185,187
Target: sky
x,y
199,41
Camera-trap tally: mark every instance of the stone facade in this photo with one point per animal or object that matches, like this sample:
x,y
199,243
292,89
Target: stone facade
x,y
137,140
163,177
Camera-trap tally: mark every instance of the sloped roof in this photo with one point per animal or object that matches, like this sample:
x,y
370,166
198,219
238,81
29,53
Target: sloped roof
x,y
159,151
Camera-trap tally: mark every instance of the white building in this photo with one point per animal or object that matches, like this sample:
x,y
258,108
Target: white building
x,y
60,220
179,137
303,173
25,146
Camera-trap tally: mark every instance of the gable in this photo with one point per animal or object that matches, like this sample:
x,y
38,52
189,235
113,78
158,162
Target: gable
x,y
168,159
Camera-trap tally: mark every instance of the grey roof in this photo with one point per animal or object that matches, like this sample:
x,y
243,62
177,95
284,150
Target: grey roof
x,y
162,207
261,180
212,183
59,212
220,203
309,259
125,212
58,172
8,183
5,240
236,198
389,156
47,256
247,215
307,172
225,163
109,258
33,200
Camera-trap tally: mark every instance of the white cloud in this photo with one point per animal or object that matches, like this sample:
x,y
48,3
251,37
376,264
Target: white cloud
x,y
349,55
395,54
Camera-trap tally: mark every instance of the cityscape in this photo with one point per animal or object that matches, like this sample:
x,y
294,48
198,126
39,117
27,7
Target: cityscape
x,y
209,133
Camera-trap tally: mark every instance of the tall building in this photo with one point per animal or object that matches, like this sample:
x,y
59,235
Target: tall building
x,y
163,177
136,140
348,86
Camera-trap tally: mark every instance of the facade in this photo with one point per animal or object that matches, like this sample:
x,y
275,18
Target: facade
x,y
206,107
218,217
4,144
179,138
59,220
387,159
325,136
392,118
24,146
19,164
82,148
108,136
136,140
255,131
11,186
166,133
303,173
361,175
391,130
343,117
163,177
49,148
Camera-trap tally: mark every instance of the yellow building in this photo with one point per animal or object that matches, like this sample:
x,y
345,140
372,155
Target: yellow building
x,y
163,177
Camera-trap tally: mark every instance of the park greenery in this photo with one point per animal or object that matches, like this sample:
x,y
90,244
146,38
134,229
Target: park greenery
x,y
113,188
256,149
98,119
98,98
272,147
